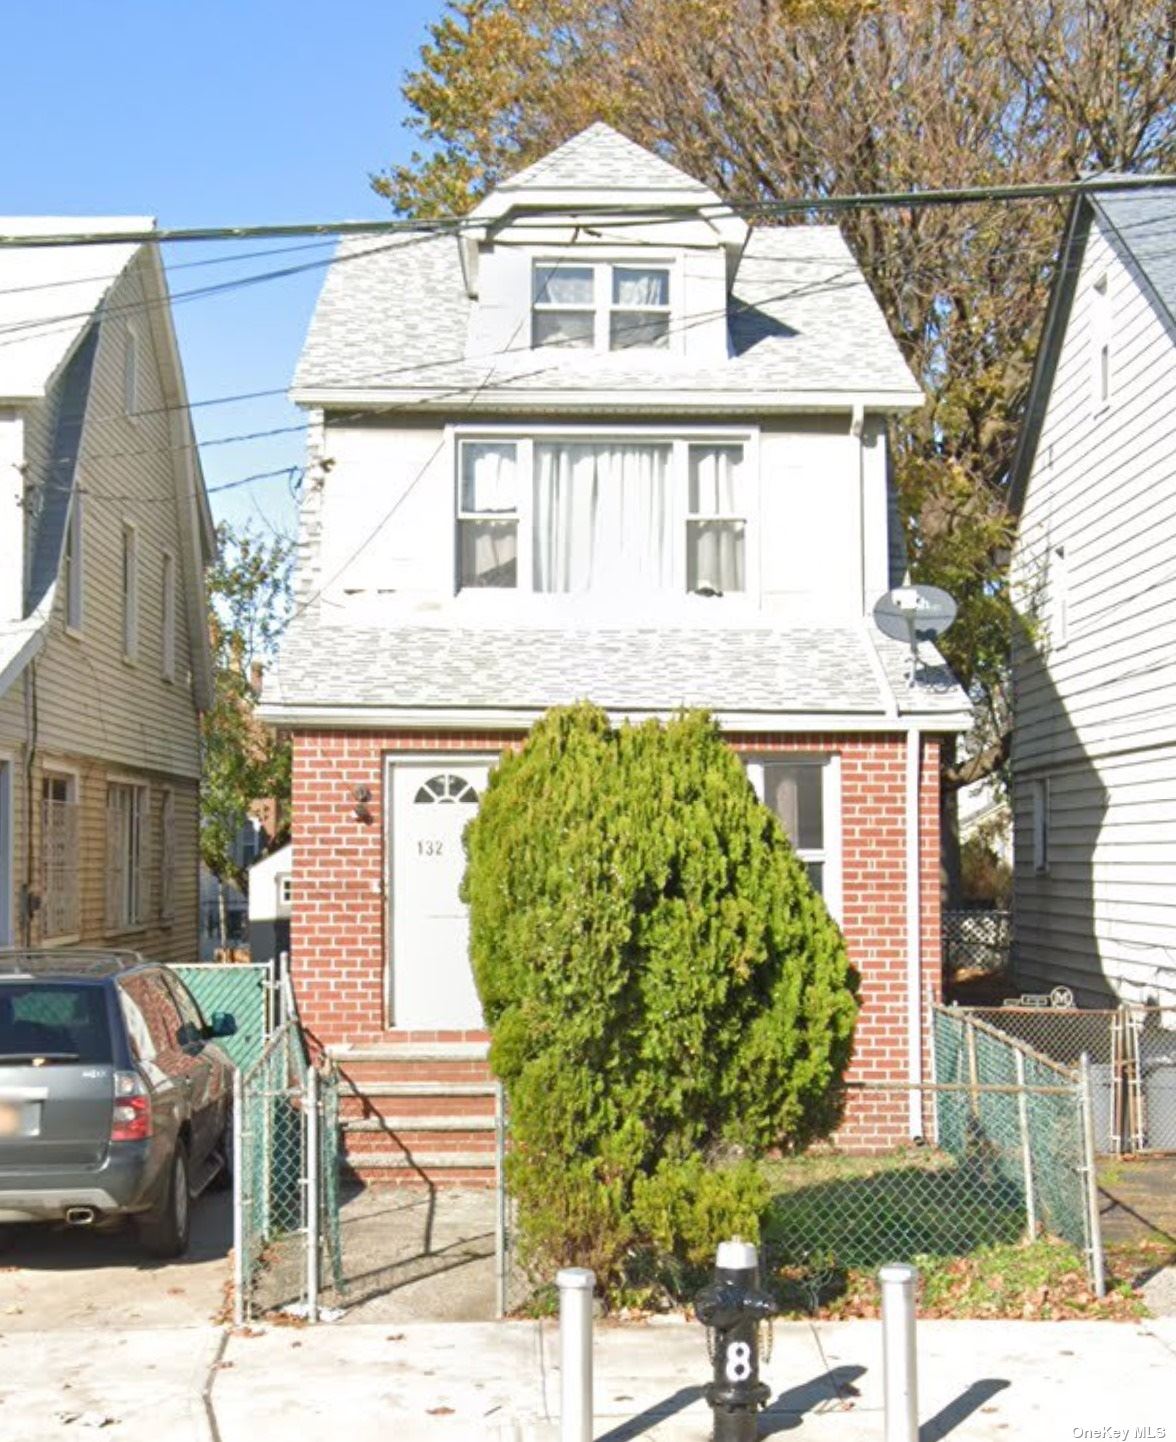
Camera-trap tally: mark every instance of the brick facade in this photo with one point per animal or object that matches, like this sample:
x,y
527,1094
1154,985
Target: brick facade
x,y
339,944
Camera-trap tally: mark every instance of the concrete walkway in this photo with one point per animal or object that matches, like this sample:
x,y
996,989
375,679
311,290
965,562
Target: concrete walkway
x,y
449,1381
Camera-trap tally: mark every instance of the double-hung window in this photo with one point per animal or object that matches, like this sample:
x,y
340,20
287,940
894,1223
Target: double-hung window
x,y
804,794
60,870
600,305
126,855
615,515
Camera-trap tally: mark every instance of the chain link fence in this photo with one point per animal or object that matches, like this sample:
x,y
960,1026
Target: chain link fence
x,y
243,991
286,1229
1132,1055
1011,1159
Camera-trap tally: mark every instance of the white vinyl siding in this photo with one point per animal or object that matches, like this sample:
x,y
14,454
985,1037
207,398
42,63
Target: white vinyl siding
x,y
1094,670
167,606
130,376
1041,824
1100,343
127,838
130,592
60,858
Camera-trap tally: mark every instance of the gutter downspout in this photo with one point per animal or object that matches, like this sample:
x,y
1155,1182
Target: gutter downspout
x,y
913,938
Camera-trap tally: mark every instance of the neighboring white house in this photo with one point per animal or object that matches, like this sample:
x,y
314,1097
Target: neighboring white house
x,y
608,442
105,532
1094,570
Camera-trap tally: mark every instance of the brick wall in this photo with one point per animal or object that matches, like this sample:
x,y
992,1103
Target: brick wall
x,y
338,931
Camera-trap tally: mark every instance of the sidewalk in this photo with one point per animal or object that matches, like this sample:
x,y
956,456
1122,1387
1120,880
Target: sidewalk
x,y
365,1383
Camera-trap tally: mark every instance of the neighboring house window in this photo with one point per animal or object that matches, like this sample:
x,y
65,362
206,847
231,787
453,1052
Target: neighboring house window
x,y
1041,826
169,617
600,306
804,795
130,591
1100,330
1059,597
126,853
285,890
131,373
612,515
60,866
74,565
167,856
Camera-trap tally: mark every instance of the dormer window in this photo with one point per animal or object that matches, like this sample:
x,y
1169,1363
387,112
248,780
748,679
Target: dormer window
x,y
600,306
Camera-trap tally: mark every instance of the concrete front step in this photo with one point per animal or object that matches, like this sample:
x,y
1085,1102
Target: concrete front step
x,y
423,1123
398,1051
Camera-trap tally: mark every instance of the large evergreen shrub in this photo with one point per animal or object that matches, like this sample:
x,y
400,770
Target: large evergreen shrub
x,y
661,983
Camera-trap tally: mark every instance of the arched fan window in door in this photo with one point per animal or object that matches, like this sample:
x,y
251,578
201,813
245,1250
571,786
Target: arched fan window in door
x,y
448,790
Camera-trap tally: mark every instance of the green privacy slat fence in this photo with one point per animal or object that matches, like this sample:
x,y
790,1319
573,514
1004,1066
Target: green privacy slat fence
x,y
241,990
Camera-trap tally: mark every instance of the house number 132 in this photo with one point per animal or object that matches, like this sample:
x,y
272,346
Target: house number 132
x,y
429,848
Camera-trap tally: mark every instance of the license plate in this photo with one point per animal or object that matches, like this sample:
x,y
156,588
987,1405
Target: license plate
x,y
9,1120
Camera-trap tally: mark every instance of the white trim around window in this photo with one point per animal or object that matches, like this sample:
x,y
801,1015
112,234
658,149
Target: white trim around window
x,y
167,581
818,844
130,591
500,515
74,564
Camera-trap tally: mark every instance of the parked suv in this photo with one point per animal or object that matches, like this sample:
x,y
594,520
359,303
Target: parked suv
x,y
114,1098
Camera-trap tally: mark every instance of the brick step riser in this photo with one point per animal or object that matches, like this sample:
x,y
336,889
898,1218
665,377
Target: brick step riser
x,y
359,1072
423,1122
438,1105
395,1144
377,1178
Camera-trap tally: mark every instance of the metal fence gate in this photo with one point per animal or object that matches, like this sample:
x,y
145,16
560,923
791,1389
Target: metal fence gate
x,y
286,1242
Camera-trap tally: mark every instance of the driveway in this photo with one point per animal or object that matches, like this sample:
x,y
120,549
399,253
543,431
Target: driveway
x,y
55,1279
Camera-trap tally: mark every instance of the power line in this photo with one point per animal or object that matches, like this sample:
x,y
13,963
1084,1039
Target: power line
x,y
800,205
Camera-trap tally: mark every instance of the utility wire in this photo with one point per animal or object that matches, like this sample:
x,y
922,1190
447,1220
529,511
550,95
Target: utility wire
x,y
894,199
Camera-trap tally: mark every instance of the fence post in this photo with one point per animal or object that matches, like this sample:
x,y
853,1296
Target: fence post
x,y
312,1195
1026,1148
973,1070
899,1360
238,1199
933,1060
266,1079
500,1200
576,1286
1094,1221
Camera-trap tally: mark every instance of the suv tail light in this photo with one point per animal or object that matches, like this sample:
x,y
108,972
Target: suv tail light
x,y
131,1120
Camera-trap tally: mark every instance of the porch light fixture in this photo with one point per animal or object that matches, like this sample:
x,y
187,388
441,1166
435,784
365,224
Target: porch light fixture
x,y
362,795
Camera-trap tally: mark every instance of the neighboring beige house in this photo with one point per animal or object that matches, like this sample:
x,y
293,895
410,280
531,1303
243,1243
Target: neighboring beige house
x,y
1094,664
104,660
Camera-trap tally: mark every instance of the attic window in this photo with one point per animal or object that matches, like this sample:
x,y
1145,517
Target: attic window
x,y
600,306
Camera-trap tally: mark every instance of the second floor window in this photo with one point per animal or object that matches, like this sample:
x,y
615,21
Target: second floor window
x,y
600,306
610,515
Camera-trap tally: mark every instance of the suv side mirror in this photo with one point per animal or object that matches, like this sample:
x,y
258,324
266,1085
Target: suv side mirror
x,y
223,1023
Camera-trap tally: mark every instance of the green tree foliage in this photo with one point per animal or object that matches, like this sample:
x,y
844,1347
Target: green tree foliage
x,y
660,980
773,99
244,762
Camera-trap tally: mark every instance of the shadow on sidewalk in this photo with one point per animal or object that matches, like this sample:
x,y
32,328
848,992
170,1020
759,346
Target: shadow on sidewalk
x,y
835,1388
948,1418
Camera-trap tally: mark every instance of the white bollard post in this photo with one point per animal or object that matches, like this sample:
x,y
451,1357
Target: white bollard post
x,y
576,1286
899,1372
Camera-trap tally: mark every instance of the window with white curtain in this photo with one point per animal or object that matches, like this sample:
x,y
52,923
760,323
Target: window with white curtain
x,y
804,794
600,305
609,515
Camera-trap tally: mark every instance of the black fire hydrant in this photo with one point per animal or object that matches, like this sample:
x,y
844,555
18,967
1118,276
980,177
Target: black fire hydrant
x,y
733,1306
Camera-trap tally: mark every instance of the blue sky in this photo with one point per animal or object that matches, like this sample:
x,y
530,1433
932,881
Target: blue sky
x,y
214,112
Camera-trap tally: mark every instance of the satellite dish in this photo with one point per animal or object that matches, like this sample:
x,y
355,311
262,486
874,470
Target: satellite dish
x,y
913,614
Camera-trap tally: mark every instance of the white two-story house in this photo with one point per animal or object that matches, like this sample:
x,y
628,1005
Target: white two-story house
x,y
1094,664
105,533
604,442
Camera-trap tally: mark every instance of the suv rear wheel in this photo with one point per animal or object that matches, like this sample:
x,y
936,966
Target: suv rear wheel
x,y
163,1231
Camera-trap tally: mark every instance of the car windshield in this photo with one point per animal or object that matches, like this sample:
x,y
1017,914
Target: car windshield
x,y
53,1021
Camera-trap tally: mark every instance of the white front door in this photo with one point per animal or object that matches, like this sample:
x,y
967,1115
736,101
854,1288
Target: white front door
x,y
431,982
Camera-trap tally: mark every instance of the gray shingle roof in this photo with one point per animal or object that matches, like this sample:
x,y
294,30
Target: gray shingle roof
x,y
1145,222
601,158
806,670
395,315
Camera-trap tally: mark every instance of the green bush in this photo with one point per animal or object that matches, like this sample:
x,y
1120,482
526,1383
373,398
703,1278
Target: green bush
x,y
662,985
